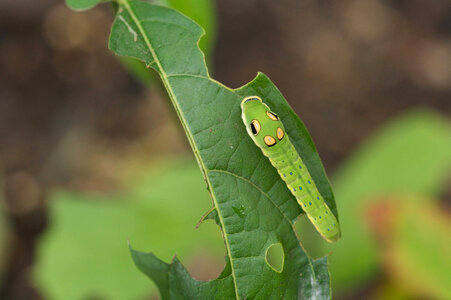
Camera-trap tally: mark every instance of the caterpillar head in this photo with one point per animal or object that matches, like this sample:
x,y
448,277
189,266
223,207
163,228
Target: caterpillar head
x,y
262,125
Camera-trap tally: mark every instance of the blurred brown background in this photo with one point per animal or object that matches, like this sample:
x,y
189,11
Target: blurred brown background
x,y
70,113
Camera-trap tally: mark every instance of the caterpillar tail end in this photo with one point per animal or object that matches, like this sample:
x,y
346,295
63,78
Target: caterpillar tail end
x,y
334,238
328,228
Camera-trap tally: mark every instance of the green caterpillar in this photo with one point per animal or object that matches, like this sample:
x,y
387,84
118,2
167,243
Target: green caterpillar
x,y
268,133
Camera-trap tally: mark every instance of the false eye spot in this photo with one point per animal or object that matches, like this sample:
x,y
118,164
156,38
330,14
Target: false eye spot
x,y
255,127
269,141
272,116
280,133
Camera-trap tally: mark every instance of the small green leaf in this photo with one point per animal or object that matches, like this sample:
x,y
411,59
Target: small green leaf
x,y
82,4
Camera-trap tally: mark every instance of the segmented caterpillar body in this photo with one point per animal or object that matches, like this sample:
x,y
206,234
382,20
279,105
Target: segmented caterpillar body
x,y
268,133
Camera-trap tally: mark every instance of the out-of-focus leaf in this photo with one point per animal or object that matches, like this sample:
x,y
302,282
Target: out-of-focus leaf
x,y
82,4
84,253
410,155
390,292
415,243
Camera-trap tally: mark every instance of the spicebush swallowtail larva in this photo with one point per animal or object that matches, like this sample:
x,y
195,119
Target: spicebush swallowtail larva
x,y
268,133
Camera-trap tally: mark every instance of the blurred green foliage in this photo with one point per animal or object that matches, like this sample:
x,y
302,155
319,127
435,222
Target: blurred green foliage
x,y
410,155
414,245
82,4
84,252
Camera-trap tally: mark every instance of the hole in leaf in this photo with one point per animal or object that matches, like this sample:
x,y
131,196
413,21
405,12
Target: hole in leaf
x,y
275,257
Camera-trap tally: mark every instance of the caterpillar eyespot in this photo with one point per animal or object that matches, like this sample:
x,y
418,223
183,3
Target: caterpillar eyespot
x,y
272,116
261,124
269,141
280,133
255,127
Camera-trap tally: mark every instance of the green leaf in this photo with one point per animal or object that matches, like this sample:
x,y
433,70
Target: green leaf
x,y
82,4
408,155
252,203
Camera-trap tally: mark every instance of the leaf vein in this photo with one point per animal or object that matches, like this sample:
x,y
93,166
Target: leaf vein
x,y
253,185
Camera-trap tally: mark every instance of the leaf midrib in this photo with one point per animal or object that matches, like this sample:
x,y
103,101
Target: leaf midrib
x,y
164,78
